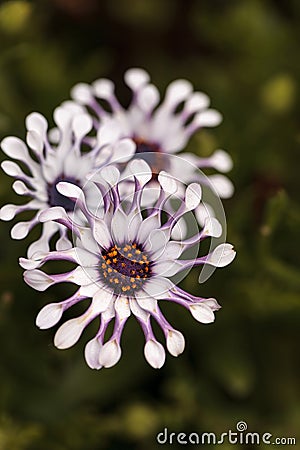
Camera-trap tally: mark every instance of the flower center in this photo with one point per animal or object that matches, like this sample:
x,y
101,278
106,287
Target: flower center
x,y
57,199
125,268
152,154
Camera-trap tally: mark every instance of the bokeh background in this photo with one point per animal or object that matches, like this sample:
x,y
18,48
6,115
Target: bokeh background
x,y
245,55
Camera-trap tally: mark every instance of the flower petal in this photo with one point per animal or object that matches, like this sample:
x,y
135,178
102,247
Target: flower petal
x,y
92,353
203,313
154,354
110,353
193,195
49,315
69,333
221,256
175,342
158,287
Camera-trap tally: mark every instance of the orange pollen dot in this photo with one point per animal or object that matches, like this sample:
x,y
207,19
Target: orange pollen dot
x,y
108,261
115,260
129,255
109,270
103,265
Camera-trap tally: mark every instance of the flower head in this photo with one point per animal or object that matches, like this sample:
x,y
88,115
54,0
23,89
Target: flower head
x,y
46,165
125,258
159,129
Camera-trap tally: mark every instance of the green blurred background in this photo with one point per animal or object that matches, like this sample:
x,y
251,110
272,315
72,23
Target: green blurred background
x,y
245,55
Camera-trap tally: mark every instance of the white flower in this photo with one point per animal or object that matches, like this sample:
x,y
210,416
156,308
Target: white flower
x,y
46,165
124,262
157,128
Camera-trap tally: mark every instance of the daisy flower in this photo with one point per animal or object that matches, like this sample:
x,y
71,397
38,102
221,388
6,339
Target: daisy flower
x,y
159,128
125,260
44,165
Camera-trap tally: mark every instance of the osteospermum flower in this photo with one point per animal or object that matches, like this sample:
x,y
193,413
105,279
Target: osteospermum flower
x,y
159,129
124,262
46,165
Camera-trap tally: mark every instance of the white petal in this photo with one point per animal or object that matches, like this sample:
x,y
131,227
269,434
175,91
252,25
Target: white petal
x,y
83,276
37,123
122,307
212,227
167,268
139,312
69,333
154,354
49,316
196,102
103,88
87,240
222,255
89,290
35,141
123,150
158,287
37,279
108,133
73,107
57,212
222,185
63,243
62,118
221,161
119,226
101,300
178,91
11,168
175,342
136,78
82,93
134,222
29,264
212,304
167,182
203,212
179,230
149,224
20,188
69,190
20,230
208,118
146,303
92,352
15,148
101,233
8,212
202,313
156,243
141,170
193,195
82,125
110,174
172,251
148,98
110,354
